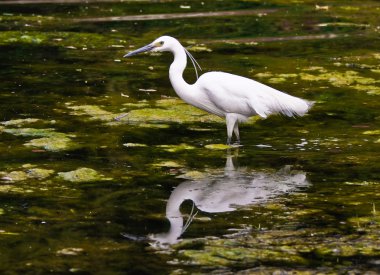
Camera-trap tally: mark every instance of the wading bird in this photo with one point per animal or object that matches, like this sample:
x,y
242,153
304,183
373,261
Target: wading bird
x,y
233,97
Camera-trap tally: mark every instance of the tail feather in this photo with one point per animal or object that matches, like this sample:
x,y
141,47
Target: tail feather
x,y
281,103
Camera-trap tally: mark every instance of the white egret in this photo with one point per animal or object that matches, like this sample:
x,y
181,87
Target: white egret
x,y
233,97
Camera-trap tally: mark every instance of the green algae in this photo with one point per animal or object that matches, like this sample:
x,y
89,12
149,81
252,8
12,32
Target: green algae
x,y
139,104
50,139
372,132
350,79
70,40
56,142
194,175
130,144
339,79
30,132
92,111
326,234
31,173
176,148
20,122
170,163
362,183
170,110
70,251
271,247
39,173
218,146
277,80
200,48
82,175
15,176
8,188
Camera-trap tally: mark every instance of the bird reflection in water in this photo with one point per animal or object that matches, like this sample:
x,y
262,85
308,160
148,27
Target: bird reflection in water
x,y
226,192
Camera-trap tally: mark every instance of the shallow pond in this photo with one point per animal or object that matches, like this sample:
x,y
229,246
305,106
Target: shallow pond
x,y
157,191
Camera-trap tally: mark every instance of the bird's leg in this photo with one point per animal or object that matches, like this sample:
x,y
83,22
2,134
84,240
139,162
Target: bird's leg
x,y
236,131
231,120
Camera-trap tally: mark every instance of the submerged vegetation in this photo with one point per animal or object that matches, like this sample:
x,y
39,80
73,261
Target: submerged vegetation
x,y
95,146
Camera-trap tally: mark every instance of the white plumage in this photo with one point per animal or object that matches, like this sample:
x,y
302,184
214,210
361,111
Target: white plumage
x,y
233,97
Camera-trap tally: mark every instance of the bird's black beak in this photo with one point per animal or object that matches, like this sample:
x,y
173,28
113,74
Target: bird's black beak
x,y
146,48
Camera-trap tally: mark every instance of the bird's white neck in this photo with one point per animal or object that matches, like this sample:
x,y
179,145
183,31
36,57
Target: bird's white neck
x,y
180,86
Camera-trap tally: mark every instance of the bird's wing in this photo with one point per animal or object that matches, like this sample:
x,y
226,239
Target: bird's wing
x,y
235,94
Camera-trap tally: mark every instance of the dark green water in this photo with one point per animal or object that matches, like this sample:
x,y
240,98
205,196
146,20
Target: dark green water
x,y
83,193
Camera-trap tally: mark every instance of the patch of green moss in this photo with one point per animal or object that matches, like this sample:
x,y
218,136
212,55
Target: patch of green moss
x,y
6,188
171,164
31,173
94,112
349,79
264,75
50,139
39,173
139,104
372,132
15,176
154,125
30,132
171,110
193,175
82,175
218,146
199,48
134,145
56,142
176,148
275,80
20,122
72,40
362,183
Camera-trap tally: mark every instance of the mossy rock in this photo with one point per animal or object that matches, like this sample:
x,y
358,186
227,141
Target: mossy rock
x,y
82,175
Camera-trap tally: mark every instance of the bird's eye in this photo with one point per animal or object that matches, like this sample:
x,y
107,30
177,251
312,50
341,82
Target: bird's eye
x,y
161,43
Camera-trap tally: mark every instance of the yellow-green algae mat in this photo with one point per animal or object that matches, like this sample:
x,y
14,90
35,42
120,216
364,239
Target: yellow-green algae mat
x,y
45,138
288,244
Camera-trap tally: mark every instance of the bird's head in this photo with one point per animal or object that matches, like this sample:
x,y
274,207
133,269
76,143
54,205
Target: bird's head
x,y
161,44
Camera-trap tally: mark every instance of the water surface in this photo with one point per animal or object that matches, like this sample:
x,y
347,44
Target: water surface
x,y
156,192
